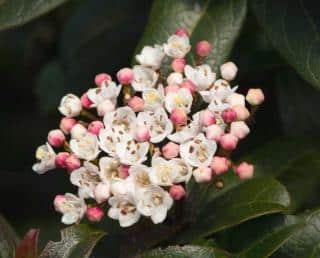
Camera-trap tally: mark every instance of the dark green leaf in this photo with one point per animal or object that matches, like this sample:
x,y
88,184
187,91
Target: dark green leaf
x,y
218,21
28,247
293,27
18,12
245,201
76,241
188,251
8,239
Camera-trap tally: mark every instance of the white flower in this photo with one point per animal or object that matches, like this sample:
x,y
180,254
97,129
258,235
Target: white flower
x,y
180,99
175,78
220,90
123,208
201,76
70,105
109,169
86,178
120,186
157,122
153,98
151,56
199,151
46,155
73,208
236,99
144,78
102,192
218,105
139,175
108,140
183,171
177,46
131,152
86,147
187,132
154,202
121,121
108,91
163,172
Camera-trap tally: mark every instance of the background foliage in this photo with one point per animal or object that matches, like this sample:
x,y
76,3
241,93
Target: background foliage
x,y
49,48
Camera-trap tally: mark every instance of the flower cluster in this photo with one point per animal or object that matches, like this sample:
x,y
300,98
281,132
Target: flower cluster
x,y
131,147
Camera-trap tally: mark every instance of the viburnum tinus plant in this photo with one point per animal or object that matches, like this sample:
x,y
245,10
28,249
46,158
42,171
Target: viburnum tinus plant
x,y
131,146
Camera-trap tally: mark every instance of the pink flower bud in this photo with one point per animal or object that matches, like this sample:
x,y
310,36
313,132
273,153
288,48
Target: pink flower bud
x,y
95,127
171,88
202,174
177,192
73,163
142,134
203,48
178,116
58,201
94,214
136,103
105,107
66,124
56,138
182,32
244,170
229,142
228,71
214,132
123,171
78,131
229,115
187,84
125,76
220,165
239,129
61,158
85,101
207,118
242,112
178,65
170,150
255,96
102,192
101,78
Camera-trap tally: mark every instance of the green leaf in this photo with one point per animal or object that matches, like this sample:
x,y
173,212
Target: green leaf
x,y
293,27
18,12
294,162
28,247
188,251
76,242
218,21
8,239
245,201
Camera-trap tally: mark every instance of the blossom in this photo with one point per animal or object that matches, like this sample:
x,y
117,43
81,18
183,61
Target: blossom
x,y
158,123
183,171
202,76
70,105
177,46
174,78
255,96
86,178
202,174
72,207
109,169
108,91
131,152
86,147
198,151
154,202
144,78
180,99
203,48
123,208
153,98
46,156
151,56
228,71
139,175
163,171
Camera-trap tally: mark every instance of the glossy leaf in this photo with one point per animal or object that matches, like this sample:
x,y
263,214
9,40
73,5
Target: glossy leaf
x,y
218,21
28,247
293,27
245,201
188,251
18,12
76,241
8,239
